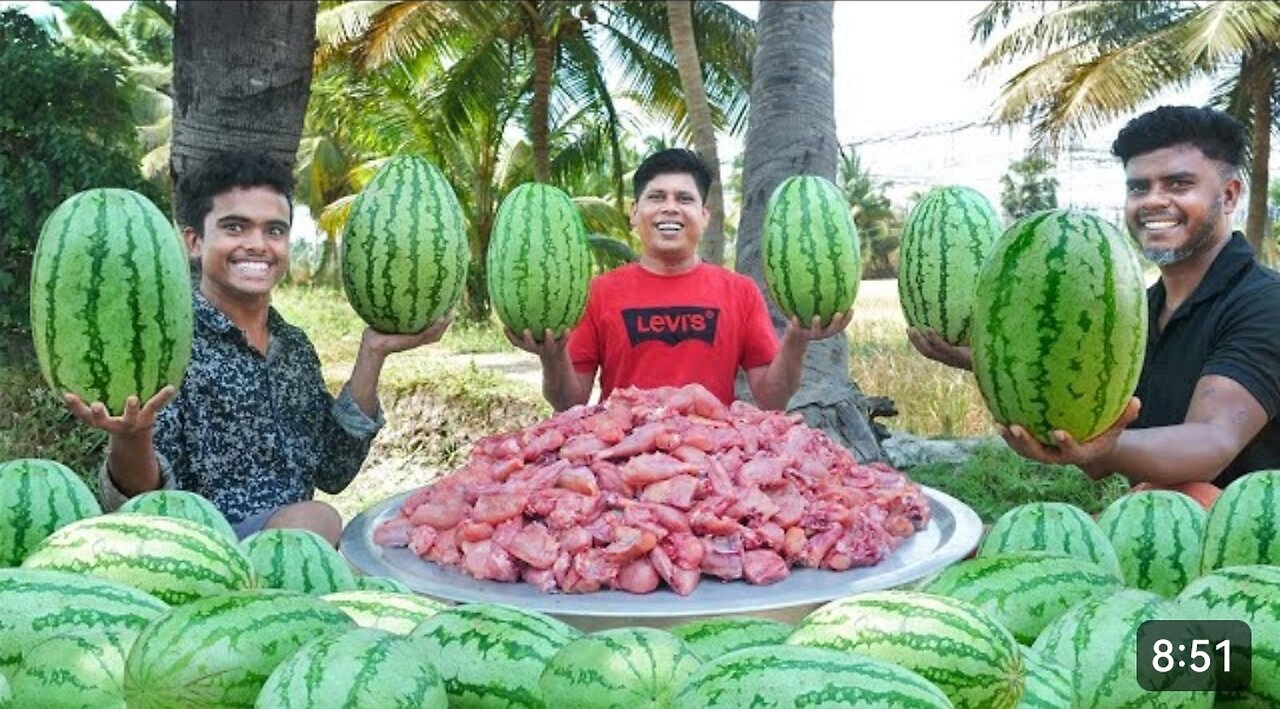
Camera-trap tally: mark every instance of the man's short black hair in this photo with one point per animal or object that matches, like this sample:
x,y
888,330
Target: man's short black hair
x,y
669,161
227,171
1217,135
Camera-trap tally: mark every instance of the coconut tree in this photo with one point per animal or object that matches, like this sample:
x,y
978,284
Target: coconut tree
x,y
1094,62
791,130
241,78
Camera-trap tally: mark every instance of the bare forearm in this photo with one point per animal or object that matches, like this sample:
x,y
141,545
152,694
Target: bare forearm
x,y
561,385
1169,455
782,378
132,462
364,380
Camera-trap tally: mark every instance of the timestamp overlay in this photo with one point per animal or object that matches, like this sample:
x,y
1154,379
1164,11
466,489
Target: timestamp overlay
x,y
1194,655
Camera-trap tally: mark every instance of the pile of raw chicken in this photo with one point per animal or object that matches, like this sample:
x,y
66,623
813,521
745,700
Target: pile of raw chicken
x,y
658,486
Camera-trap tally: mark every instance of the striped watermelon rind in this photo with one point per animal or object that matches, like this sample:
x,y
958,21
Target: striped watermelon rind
x,y
219,651
380,583
363,667
111,311
1157,536
175,560
39,605
37,498
1059,325
397,613
80,669
539,262
1048,683
1024,590
621,667
712,637
1056,527
797,676
949,642
811,252
297,560
1248,593
1095,643
491,656
945,240
404,253
1244,523
180,504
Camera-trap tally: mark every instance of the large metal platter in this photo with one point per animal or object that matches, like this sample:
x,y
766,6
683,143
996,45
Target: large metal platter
x,y
952,533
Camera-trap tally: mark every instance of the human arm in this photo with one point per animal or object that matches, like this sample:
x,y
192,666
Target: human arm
x,y
773,385
563,386
132,465
930,344
1221,420
374,348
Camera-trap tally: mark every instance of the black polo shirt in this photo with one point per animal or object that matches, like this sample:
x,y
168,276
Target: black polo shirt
x,y
1230,326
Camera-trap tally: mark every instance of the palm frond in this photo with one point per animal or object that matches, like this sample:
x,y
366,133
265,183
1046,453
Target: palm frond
x,y
603,217
333,217
150,106
156,134
1223,31
608,253
153,76
86,22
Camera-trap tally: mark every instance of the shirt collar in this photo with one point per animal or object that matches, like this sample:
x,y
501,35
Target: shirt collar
x,y
208,315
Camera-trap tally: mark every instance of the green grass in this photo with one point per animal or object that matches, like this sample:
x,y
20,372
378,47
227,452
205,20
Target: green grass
x,y
35,423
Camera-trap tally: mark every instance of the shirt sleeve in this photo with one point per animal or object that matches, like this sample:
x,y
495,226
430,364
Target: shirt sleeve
x,y
347,431
760,341
1248,347
584,341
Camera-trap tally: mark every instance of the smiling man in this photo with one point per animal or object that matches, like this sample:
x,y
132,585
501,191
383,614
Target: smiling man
x,y
671,319
1205,409
252,426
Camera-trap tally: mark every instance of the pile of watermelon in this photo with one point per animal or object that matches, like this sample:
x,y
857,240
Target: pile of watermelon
x,y
158,605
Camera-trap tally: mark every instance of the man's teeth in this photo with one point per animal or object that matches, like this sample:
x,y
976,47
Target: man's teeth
x,y
668,227
1164,224
252,267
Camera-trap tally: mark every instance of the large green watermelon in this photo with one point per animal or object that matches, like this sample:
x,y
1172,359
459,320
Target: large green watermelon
x,y
945,241
37,498
812,257
110,298
1059,325
404,249
539,263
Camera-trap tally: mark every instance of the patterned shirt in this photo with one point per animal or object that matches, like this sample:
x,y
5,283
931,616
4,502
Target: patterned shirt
x,y
253,433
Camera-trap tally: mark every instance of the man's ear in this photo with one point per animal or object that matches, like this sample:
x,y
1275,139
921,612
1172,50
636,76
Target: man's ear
x,y
1231,192
192,241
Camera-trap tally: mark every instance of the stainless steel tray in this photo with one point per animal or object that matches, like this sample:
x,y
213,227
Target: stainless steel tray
x,y
952,533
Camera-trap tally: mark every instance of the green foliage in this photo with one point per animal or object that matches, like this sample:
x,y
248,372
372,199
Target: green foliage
x,y
995,479
65,126
879,226
1028,187
34,423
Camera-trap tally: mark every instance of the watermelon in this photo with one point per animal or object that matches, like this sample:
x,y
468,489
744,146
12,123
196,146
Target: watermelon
x,y
397,613
37,498
1096,641
355,668
945,241
1059,325
1156,535
111,313
181,504
380,583
491,656
6,695
404,249
1249,593
713,637
297,560
39,605
218,652
1051,526
952,643
785,676
1244,523
539,263
811,253
1024,590
76,671
622,668
175,560
1048,683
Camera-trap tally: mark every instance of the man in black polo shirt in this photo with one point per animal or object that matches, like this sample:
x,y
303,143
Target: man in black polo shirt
x,y
1206,402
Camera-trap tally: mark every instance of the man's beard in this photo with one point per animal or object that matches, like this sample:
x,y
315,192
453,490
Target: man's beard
x,y
1199,240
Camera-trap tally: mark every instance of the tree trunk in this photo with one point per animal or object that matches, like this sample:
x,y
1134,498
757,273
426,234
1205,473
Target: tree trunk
x,y
684,43
1261,86
791,131
540,106
241,78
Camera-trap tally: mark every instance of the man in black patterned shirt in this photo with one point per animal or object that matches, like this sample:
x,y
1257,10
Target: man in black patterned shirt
x,y
252,427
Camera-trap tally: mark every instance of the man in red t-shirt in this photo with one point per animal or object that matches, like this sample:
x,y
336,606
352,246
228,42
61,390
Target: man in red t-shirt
x,y
671,319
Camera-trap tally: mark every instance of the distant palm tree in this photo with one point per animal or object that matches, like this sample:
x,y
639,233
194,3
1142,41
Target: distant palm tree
x,y
877,224
1096,61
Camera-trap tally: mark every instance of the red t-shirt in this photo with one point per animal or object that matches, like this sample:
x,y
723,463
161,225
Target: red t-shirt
x,y
649,330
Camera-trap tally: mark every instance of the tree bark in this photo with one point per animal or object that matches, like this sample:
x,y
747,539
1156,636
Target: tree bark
x,y
1261,82
791,131
684,43
241,78
540,105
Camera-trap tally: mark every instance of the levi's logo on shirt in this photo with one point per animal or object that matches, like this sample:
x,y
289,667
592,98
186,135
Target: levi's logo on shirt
x,y
672,324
